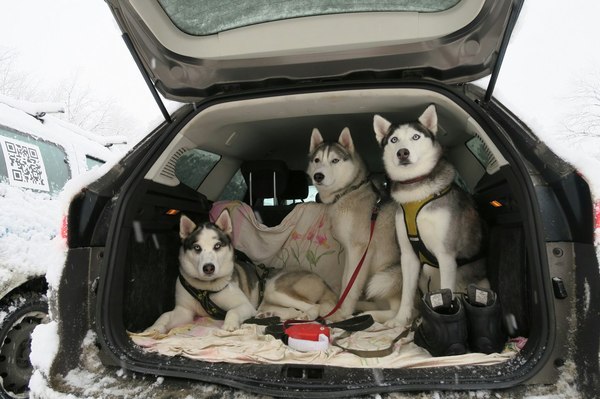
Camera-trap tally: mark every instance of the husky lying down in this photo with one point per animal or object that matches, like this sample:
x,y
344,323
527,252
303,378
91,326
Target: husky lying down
x,y
211,283
436,222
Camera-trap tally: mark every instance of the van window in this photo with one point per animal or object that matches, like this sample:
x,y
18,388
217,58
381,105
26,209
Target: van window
x,y
235,189
193,166
31,163
479,150
91,162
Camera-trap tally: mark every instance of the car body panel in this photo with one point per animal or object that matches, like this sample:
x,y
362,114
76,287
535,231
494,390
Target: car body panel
x,y
106,308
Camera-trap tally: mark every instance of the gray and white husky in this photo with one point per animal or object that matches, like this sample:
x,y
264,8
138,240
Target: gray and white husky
x,y
341,178
437,224
212,283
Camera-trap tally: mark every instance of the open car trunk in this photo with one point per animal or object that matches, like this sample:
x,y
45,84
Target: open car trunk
x,y
137,284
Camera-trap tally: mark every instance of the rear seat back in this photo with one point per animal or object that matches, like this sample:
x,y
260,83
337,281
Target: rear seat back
x,y
266,180
295,193
297,187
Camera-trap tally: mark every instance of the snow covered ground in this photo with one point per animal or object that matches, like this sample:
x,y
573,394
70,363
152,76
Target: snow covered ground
x,y
550,78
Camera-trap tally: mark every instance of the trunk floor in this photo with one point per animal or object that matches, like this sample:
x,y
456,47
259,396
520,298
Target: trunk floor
x,y
205,340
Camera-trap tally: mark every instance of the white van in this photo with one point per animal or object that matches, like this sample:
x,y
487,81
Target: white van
x,y
39,153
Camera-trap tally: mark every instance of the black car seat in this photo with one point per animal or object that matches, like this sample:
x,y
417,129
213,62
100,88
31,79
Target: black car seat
x,y
266,181
297,187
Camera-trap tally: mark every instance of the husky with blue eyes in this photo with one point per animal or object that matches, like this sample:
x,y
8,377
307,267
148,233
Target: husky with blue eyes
x,y
437,226
354,203
215,282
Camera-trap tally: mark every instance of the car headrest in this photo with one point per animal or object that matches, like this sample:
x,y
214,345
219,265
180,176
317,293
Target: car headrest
x,y
265,179
297,186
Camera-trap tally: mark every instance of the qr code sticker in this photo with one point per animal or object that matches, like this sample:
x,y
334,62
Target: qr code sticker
x,y
24,164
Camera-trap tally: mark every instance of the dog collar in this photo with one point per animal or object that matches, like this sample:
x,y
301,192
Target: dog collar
x,y
349,190
415,180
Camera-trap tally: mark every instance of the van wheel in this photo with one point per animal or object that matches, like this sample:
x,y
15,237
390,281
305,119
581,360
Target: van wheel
x,y
20,314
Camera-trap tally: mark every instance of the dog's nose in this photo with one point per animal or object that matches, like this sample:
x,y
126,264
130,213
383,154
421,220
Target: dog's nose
x,y
208,268
318,177
403,154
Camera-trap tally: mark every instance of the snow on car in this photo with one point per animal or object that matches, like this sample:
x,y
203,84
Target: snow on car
x,y
39,154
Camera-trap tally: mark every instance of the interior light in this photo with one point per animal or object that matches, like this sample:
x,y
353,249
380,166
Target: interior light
x,y
496,204
172,212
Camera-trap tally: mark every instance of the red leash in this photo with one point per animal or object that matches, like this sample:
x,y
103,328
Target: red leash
x,y
374,213
355,322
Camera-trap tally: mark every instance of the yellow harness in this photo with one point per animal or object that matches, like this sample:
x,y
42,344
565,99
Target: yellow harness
x,y
411,211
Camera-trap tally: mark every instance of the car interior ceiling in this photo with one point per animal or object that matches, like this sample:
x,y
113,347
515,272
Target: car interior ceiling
x,y
276,129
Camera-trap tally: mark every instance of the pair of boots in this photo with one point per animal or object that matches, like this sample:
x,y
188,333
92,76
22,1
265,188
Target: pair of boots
x,y
451,326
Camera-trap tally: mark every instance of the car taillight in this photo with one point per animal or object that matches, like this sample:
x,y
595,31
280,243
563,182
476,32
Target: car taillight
x,y
597,222
64,228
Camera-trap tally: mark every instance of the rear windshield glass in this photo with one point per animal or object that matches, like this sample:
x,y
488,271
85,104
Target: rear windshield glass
x,y
207,17
194,166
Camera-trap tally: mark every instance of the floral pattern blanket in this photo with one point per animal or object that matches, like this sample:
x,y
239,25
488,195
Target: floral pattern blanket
x,y
303,240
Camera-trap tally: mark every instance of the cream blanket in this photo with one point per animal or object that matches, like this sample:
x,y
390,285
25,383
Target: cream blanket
x,y
303,240
205,340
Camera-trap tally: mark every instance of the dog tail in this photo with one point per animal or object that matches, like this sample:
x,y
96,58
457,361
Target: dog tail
x,y
385,283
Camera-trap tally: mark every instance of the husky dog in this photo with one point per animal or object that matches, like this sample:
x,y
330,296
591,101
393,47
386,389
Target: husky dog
x,y
436,223
212,283
341,178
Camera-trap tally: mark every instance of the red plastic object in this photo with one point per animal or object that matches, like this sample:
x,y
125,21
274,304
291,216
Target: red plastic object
x,y
307,331
308,337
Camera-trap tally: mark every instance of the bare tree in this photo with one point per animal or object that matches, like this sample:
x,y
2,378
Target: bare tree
x,y
82,107
14,82
585,121
86,111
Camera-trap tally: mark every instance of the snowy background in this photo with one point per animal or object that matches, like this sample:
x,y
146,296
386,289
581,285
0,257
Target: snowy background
x,y
550,78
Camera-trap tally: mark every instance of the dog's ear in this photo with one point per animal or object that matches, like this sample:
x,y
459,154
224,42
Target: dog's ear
x,y
346,140
315,139
186,227
224,222
381,127
429,119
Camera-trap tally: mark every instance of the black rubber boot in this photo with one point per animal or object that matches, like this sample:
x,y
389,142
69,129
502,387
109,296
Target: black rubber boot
x,y
484,315
443,329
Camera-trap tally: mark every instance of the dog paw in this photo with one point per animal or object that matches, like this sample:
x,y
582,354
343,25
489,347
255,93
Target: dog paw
x,y
397,322
379,316
155,330
232,322
264,315
334,318
230,326
313,312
